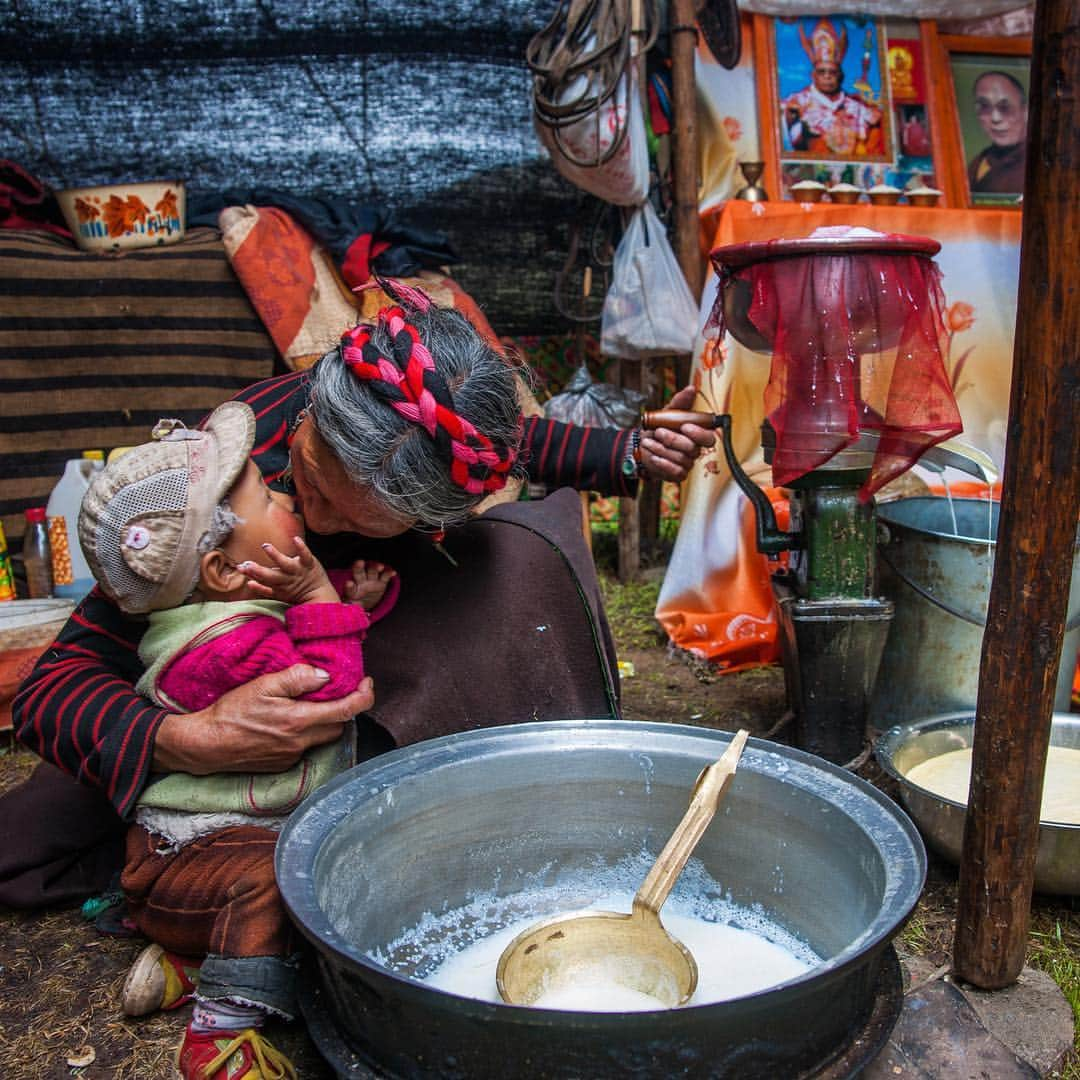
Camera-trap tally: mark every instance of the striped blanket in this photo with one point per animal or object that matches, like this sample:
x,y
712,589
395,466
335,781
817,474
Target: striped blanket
x,y
95,348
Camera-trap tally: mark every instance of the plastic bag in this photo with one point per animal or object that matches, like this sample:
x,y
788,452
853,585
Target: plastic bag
x,y
649,309
624,178
585,403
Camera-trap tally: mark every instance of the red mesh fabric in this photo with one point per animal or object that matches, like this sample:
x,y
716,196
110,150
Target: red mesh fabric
x,y
857,344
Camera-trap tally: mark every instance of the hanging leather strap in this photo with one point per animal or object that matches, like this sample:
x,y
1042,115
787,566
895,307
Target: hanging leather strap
x,y
591,41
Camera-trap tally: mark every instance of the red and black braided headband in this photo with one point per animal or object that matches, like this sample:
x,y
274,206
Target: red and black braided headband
x,y
407,381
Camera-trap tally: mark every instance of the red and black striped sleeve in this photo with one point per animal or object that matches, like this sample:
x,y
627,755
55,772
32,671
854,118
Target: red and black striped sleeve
x,y
586,458
277,403
78,708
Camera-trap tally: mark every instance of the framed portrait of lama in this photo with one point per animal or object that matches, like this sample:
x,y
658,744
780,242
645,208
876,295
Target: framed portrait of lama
x,y
848,99
832,99
989,82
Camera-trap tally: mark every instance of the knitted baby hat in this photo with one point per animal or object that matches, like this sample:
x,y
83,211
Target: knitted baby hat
x,y
143,516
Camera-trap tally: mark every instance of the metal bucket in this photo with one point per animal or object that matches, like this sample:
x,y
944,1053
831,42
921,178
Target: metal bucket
x,y
938,577
487,813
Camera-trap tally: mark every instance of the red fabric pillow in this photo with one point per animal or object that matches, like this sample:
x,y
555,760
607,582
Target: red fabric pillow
x,y
299,293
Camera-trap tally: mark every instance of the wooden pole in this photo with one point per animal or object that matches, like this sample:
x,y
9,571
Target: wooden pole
x,y
1037,530
685,155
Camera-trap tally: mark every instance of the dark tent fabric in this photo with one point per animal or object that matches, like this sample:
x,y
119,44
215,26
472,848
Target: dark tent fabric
x,y
421,110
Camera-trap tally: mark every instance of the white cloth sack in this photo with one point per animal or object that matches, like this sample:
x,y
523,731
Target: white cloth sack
x,y
624,178
649,309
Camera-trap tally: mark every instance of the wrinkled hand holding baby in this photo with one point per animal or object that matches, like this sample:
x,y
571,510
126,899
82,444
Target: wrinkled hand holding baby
x,y
262,726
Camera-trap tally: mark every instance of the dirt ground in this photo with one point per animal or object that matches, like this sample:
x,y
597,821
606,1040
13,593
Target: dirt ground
x,y
60,979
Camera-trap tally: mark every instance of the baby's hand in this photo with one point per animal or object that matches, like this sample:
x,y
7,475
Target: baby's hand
x,y
293,579
368,585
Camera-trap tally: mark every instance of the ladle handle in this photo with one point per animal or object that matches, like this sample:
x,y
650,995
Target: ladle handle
x,y
709,790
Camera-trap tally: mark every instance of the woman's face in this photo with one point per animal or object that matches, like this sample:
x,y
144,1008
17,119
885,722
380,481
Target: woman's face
x,y
328,500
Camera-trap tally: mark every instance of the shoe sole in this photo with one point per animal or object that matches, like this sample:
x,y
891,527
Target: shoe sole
x,y
145,984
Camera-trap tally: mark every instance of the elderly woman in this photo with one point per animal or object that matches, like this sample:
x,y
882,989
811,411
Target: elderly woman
x,y
499,618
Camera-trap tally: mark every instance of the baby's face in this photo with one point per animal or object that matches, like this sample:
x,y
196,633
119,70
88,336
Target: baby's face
x,y
266,517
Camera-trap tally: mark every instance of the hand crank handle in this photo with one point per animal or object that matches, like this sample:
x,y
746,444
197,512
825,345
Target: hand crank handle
x,y
673,419
771,540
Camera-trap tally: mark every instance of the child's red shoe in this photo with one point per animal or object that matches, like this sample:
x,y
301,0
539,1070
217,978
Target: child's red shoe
x,y
231,1055
158,980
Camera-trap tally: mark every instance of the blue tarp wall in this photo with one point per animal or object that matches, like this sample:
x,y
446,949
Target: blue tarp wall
x,y
420,108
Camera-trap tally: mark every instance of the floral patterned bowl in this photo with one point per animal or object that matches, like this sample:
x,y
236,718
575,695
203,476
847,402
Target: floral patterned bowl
x,y
116,216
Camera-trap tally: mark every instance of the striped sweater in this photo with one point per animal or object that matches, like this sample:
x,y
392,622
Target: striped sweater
x,y
78,708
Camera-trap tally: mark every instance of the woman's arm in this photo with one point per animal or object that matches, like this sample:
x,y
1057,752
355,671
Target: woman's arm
x,y
595,458
78,709
585,458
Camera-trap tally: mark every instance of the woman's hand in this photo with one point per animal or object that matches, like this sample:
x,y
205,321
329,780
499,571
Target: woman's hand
x,y
293,579
669,455
258,727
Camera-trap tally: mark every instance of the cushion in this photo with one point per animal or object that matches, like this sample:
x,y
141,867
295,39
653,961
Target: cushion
x,y
291,281
301,295
95,348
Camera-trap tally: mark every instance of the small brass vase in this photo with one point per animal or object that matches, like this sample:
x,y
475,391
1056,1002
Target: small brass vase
x,y
753,191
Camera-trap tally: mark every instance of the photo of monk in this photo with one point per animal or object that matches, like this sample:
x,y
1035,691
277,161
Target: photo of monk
x,y
833,103
992,103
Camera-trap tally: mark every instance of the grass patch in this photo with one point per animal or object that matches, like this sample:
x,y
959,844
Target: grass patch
x,y
916,937
1055,949
630,606
654,554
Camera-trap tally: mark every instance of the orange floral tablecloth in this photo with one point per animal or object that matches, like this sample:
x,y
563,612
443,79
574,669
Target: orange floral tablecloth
x,y
716,600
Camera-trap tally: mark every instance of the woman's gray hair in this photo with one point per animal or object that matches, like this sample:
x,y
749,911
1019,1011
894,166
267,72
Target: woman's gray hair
x,y
395,458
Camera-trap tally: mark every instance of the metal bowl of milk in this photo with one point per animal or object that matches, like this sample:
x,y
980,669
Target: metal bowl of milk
x,y
931,761
404,872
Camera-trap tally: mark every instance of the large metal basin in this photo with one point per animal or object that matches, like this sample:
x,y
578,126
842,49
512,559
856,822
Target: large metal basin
x,y
941,820
428,827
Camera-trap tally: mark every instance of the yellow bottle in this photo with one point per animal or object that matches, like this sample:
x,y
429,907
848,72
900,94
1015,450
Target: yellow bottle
x,y
7,581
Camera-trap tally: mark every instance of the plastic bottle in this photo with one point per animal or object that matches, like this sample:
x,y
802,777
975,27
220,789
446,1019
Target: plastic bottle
x,y
71,574
37,555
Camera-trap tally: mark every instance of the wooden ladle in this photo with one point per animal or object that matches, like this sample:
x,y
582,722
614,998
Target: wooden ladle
x,y
592,951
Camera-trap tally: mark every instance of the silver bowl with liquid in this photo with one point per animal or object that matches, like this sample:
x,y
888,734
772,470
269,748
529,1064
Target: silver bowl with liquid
x,y
503,810
941,820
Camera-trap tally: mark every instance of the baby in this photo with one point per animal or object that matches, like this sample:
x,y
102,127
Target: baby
x,y
185,530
